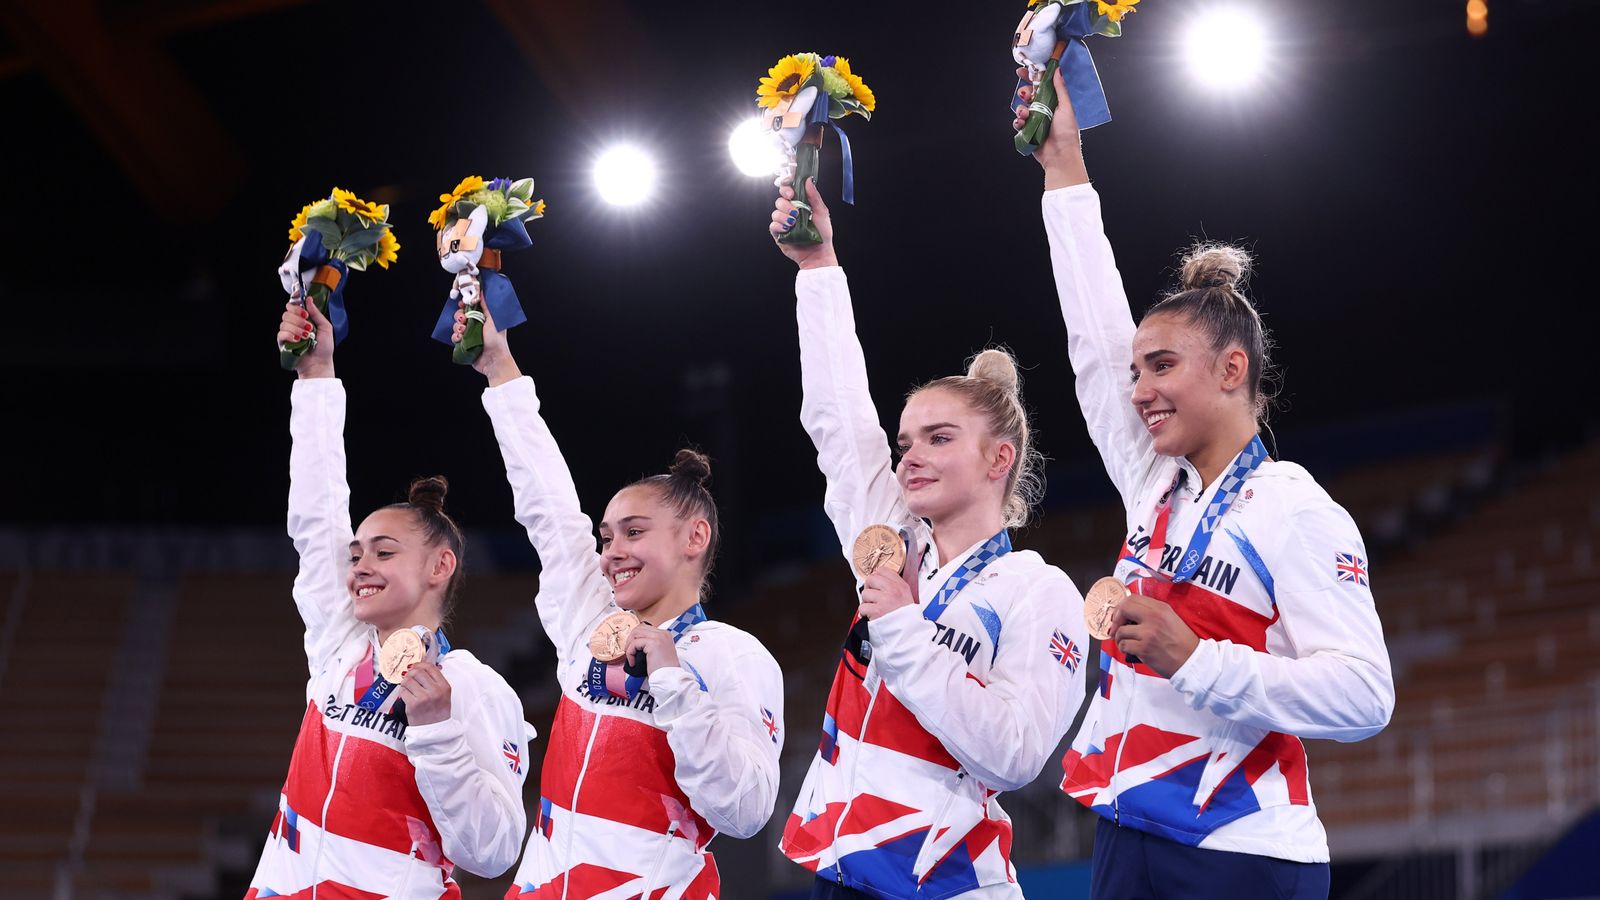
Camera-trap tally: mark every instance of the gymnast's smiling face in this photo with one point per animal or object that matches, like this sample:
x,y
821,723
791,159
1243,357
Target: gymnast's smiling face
x,y
395,578
948,458
1185,392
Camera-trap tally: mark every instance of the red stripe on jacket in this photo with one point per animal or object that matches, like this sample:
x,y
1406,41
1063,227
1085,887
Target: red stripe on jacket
x,y
631,772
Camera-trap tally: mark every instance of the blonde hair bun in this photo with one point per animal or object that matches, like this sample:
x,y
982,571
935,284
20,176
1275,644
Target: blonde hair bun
x,y
1215,265
996,365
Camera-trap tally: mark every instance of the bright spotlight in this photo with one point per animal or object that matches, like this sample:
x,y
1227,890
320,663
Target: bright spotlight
x,y
1226,48
755,148
624,176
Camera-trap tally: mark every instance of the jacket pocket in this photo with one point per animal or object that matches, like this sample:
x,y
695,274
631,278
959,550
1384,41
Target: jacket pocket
x,y
661,859
959,811
1230,742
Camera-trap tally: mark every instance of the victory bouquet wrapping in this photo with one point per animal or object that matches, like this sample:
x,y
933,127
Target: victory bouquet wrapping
x,y
327,240
802,93
477,222
1051,36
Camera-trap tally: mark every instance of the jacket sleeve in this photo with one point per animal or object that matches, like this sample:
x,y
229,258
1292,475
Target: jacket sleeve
x,y
319,515
837,412
716,724
1330,678
1099,332
472,788
1001,732
572,590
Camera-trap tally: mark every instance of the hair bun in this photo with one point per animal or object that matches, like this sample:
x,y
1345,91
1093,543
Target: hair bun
x,y
691,464
995,365
428,492
1214,266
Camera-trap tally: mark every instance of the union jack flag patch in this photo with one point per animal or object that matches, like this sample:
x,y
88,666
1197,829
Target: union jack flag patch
x,y
1350,567
1065,651
513,757
771,721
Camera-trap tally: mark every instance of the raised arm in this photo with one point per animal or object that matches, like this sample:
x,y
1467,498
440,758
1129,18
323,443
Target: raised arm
x,y
572,590
319,496
836,408
1093,303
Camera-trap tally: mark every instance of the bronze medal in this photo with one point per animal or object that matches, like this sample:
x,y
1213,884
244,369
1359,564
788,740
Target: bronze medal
x,y
401,651
1100,603
610,637
876,547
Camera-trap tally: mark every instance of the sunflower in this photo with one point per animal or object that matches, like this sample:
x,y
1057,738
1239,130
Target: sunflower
x,y
784,79
299,222
367,212
1116,9
388,248
438,217
864,94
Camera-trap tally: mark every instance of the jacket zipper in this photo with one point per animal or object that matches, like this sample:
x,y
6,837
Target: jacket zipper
x,y
838,870
566,853
333,785
1116,765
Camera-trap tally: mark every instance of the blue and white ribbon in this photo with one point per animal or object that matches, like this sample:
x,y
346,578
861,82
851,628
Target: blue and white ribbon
x,y
1249,459
992,549
631,686
382,687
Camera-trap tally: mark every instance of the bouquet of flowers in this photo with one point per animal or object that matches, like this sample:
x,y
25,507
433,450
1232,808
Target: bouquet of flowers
x,y
326,240
1050,36
477,222
801,94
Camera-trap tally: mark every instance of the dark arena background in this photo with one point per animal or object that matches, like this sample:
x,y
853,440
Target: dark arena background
x,y
1412,177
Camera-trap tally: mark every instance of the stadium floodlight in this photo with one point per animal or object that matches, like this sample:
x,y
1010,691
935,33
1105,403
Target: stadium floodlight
x,y
1226,48
624,175
755,148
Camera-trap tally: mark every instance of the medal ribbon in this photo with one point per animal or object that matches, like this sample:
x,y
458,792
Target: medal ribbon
x,y
992,549
379,688
1249,459
598,686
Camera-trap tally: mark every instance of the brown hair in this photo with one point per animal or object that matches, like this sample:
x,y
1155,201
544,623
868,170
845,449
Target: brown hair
x,y
994,390
1212,297
683,490
425,500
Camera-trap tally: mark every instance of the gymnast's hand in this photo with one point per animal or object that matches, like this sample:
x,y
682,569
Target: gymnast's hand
x,y
495,362
300,322
1061,154
426,693
783,211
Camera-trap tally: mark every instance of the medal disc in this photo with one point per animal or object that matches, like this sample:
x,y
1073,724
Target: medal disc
x,y
876,547
1099,604
399,653
609,640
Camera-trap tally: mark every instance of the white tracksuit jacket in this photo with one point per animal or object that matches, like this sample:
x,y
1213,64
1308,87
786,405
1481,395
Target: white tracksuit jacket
x,y
370,806
1290,648
901,799
632,790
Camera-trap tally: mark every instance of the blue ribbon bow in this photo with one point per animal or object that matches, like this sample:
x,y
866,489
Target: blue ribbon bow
x,y
498,293
1077,68
819,116
314,255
